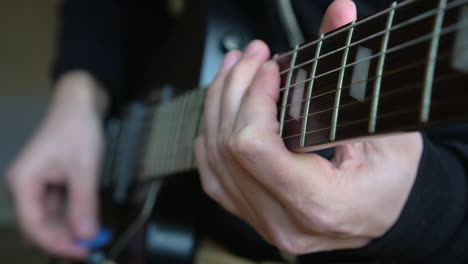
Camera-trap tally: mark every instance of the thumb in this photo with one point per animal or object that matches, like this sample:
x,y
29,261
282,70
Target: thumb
x,y
83,202
339,13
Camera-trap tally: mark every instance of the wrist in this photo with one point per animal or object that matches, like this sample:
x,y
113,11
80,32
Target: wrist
x,y
81,90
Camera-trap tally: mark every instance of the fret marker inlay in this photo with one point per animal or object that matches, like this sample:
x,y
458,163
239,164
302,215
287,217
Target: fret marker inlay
x,y
298,94
460,51
360,74
286,92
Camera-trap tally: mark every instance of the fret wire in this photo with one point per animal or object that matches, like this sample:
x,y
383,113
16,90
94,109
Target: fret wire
x,y
380,67
309,92
340,85
376,15
286,94
383,32
406,67
401,111
432,56
429,36
392,92
398,26
408,109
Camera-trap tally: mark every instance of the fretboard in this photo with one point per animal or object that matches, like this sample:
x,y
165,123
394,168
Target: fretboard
x,y
401,69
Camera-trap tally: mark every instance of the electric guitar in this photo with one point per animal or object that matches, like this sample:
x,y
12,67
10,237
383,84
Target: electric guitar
x,y
404,68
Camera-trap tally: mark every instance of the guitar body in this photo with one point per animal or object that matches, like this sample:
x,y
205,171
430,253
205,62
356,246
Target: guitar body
x,y
161,219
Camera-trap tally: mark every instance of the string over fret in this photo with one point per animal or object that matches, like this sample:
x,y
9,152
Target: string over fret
x,y
379,73
305,120
286,93
432,56
367,19
340,84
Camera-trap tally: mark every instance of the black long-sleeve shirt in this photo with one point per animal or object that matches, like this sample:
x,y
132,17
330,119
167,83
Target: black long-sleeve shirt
x,y
433,226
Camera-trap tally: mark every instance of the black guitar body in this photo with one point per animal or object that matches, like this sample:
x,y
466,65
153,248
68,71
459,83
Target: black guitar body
x,y
192,42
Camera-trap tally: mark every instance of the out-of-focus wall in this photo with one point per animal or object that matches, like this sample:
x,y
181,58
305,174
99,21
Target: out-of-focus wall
x,y
27,36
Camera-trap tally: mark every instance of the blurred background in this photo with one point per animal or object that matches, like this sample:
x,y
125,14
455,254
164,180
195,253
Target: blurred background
x,y
27,36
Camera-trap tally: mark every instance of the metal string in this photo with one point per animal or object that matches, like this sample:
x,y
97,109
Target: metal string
x,y
380,116
399,112
388,73
376,15
353,44
446,30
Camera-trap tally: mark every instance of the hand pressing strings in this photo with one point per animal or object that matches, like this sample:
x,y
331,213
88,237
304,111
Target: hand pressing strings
x,y
301,203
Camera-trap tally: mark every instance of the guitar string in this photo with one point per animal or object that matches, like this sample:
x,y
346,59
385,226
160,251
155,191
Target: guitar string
x,y
393,28
383,95
441,57
149,201
359,22
446,30
399,112
345,28
386,74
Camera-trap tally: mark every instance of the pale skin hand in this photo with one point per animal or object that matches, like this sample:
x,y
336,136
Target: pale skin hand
x,y
300,203
63,153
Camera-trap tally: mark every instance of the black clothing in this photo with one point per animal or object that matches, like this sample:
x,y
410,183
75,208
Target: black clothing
x,y
433,226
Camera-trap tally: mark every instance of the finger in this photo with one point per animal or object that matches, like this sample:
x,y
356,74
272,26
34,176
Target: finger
x,y
237,83
83,202
211,185
54,203
211,121
256,127
339,13
50,235
213,96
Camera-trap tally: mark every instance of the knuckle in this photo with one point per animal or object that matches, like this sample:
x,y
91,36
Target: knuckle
x,y
320,221
247,144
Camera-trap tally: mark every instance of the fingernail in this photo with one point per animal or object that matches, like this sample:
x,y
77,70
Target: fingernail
x,y
252,48
267,65
86,228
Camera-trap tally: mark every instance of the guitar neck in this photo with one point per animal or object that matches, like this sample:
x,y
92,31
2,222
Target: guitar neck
x,y
402,69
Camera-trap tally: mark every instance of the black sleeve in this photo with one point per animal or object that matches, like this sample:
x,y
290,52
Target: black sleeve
x,y
433,226
93,37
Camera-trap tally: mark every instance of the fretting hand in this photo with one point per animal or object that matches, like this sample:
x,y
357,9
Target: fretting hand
x,y
301,203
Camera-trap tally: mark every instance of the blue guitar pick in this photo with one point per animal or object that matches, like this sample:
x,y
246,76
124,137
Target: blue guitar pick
x,y
102,238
